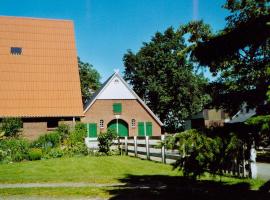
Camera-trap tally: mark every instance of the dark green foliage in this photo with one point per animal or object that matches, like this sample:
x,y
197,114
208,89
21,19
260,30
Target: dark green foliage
x,y
201,153
242,66
11,126
90,79
262,127
197,152
161,74
35,154
14,149
47,141
106,141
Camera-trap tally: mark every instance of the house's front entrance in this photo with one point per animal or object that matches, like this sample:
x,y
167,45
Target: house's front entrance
x,y
120,126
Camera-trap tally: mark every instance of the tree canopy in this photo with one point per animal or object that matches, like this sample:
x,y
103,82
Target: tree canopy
x,y
239,56
90,79
165,79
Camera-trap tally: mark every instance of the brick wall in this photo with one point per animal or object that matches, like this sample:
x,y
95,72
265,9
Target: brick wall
x,y
32,130
131,109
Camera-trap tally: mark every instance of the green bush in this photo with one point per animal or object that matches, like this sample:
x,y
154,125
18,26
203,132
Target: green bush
x,y
78,148
78,135
64,131
198,152
11,126
55,153
49,140
105,141
35,154
17,149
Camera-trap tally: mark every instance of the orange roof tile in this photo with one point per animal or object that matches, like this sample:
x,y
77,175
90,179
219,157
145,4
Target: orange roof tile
x,y
44,80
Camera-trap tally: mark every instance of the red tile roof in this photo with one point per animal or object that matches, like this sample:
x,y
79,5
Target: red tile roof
x,y
44,80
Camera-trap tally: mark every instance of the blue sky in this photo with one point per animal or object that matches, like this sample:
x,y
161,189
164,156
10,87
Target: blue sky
x,y
106,29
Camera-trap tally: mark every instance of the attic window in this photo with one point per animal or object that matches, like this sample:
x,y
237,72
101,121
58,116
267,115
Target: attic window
x,y
15,50
116,81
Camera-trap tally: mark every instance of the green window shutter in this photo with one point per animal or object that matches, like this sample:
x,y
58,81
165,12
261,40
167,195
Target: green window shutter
x,y
117,108
92,130
141,129
149,128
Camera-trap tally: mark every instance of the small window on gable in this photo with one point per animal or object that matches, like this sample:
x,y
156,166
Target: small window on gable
x,y
101,123
133,123
116,81
15,50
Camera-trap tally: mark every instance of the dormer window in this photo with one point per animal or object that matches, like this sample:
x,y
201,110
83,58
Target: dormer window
x,y
15,50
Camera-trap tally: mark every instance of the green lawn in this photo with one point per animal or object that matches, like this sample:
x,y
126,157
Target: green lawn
x,y
132,172
81,169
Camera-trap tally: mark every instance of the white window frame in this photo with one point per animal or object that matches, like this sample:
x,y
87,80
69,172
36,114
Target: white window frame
x,y
101,123
133,123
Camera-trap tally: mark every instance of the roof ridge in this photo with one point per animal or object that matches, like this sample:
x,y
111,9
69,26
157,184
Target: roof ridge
x,y
36,18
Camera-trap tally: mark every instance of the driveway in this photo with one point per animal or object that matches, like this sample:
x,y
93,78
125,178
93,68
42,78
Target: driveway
x,y
263,171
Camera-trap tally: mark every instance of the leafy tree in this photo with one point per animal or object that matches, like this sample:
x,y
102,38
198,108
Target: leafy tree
x,y
166,81
90,79
11,126
239,55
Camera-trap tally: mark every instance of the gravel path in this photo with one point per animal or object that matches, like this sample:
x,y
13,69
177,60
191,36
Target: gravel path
x,y
46,185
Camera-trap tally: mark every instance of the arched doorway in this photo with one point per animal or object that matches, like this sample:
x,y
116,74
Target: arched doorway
x,y
122,127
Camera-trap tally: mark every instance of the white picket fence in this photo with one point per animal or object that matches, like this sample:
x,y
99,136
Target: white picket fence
x,y
148,147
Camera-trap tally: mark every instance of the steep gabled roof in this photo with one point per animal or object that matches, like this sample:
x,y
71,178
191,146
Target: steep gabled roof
x,y
102,93
41,79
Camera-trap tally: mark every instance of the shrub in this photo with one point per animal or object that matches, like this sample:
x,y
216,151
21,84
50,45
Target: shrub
x,y
105,141
11,126
55,153
48,140
63,130
78,148
198,152
78,135
17,149
35,154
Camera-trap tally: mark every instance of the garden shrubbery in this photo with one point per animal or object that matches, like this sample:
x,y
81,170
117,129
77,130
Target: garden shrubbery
x,y
13,149
201,153
105,141
62,142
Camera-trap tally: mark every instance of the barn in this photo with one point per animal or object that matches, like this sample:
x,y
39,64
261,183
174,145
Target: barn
x,y
39,77
116,106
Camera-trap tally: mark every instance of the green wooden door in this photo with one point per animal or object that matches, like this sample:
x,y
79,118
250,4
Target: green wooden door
x,y
141,129
122,127
145,129
92,130
149,129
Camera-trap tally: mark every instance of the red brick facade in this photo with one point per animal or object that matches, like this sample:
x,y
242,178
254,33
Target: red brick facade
x,y
131,109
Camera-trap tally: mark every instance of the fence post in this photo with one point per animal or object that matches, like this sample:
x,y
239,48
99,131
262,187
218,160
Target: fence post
x,y
147,147
126,145
135,146
163,156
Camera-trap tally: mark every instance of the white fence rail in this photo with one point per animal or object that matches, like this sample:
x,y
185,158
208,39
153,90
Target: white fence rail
x,y
148,147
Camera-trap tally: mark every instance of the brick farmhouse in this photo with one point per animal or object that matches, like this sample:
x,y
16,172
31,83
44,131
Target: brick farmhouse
x,y
117,106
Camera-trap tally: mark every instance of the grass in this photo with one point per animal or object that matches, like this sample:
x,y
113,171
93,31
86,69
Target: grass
x,y
116,169
57,192
81,169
